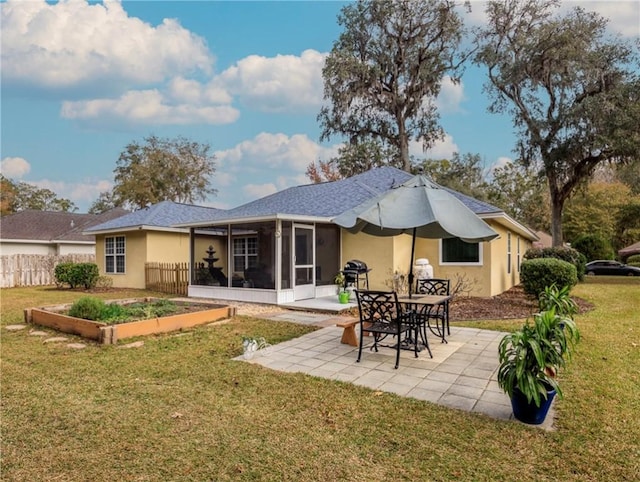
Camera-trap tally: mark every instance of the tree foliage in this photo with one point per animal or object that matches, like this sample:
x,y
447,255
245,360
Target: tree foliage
x,y
385,70
464,174
519,191
573,93
594,210
158,170
15,197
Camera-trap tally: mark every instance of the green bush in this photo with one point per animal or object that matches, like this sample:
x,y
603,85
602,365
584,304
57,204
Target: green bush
x,y
538,274
570,255
62,273
88,308
593,246
634,260
77,274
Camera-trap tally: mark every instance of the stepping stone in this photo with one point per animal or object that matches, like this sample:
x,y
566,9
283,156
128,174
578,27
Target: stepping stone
x,y
38,333
135,344
76,346
55,339
15,327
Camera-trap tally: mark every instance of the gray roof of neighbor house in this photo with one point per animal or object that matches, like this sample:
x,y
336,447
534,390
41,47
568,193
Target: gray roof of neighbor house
x,y
53,226
329,199
162,215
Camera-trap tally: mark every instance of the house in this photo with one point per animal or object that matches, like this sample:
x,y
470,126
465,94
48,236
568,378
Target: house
x,y
285,247
125,244
50,232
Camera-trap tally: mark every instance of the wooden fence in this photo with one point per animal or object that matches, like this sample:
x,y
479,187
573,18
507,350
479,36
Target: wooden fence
x,y
35,269
167,277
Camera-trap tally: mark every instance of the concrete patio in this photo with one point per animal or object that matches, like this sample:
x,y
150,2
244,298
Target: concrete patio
x,y
461,374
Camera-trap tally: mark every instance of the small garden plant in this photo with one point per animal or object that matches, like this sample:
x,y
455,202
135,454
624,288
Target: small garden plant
x,y
95,309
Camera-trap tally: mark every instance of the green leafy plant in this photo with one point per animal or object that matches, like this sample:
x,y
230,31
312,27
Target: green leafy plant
x,y
593,246
558,299
530,357
570,255
88,308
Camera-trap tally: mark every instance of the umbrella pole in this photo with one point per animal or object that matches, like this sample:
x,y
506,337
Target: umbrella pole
x,y
413,248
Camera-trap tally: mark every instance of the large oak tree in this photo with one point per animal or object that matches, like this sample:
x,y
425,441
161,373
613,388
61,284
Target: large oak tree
x,y
385,70
158,170
572,90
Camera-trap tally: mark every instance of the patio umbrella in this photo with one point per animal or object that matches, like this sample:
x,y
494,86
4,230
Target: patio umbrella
x,y
419,207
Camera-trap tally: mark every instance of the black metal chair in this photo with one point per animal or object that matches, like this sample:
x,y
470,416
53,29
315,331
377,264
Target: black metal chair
x,y
382,316
438,313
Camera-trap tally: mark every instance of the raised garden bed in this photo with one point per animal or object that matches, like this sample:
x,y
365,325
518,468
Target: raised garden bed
x,y
190,314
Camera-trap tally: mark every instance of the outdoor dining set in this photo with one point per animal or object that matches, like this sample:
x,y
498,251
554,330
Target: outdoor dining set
x,y
403,322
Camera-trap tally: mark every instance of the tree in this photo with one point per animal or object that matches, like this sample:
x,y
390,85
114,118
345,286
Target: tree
x,y
385,70
106,201
594,209
22,196
162,170
573,93
464,174
517,189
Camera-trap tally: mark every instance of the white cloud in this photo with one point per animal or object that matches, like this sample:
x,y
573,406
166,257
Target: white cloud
x,y
148,107
14,167
277,84
499,163
274,151
73,44
82,193
450,97
443,149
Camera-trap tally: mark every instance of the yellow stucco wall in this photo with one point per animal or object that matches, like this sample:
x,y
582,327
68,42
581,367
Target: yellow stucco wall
x,y
387,255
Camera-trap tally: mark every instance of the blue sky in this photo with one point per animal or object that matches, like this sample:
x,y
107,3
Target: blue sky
x,y
82,80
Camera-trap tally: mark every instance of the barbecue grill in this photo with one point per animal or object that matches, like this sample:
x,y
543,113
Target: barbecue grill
x,y
356,273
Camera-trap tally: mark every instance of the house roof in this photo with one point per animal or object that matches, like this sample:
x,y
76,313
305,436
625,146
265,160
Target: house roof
x,y
329,199
629,250
52,226
162,215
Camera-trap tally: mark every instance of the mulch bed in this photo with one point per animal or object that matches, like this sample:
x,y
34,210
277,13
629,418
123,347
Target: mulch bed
x,y
514,303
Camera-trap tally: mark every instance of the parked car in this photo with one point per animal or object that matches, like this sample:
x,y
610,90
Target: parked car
x,y
609,267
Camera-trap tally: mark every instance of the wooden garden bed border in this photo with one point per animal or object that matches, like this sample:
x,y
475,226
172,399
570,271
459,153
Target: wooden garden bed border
x,y
110,334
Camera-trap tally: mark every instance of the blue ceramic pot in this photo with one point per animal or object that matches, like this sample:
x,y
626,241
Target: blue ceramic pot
x,y
528,412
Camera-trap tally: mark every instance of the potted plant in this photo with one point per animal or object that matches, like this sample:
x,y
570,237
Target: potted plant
x,y
529,360
343,294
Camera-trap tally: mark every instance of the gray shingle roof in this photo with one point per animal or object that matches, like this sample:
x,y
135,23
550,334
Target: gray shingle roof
x,y
330,199
161,215
52,226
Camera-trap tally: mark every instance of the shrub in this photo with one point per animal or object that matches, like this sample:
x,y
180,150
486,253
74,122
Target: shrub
x,y
634,260
104,282
87,307
62,273
538,274
570,255
593,246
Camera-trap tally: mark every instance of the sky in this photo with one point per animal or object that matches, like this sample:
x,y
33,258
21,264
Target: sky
x,y
82,80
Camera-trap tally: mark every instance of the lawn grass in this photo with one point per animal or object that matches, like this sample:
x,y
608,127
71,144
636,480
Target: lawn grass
x,y
180,409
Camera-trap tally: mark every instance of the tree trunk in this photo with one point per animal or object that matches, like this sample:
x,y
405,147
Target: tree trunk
x,y
404,153
557,204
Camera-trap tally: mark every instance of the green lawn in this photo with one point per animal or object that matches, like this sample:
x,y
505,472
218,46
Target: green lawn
x,y
179,409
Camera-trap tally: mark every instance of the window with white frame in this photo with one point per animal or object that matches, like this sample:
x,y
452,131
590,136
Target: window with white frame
x,y
245,253
456,251
114,254
518,253
508,253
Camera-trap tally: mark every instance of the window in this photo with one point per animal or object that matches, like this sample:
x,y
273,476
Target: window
x,y
114,254
456,251
245,253
518,254
508,253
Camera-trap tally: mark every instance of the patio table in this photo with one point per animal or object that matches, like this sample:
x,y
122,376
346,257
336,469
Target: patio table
x,y
423,302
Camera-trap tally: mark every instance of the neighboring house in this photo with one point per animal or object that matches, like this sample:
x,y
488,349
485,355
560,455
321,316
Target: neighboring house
x,y
624,253
50,232
284,247
126,243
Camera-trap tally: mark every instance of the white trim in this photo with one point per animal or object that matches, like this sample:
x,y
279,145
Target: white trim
x,y
44,241
516,226
480,256
256,219
140,227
